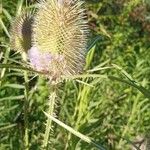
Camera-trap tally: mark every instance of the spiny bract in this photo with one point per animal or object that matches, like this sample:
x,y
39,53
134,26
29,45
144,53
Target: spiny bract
x,y
21,32
60,28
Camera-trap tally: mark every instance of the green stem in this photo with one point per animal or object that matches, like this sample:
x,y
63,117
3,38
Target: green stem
x,y
26,104
6,57
51,106
78,113
128,126
68,139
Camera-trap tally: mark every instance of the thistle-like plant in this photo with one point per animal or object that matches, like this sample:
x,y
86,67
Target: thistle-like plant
x,y
60,31
54,39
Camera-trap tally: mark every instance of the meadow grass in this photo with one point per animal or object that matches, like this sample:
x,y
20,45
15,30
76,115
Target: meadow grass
x,y
106,107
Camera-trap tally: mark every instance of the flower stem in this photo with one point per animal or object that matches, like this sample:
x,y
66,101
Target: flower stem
x,y
26,103
51,106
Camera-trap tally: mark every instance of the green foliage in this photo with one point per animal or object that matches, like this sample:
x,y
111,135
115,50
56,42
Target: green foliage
x,y
109,103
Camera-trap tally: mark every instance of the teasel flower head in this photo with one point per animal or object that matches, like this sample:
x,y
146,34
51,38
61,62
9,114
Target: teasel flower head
x,y
54,38
59,38
21,32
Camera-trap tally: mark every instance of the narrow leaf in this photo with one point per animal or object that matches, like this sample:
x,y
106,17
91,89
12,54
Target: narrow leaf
x,y
76,133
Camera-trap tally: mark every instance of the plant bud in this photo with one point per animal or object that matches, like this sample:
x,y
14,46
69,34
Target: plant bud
x,y
21,32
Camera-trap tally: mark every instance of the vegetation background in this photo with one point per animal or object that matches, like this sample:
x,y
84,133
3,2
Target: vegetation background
x,y
109,103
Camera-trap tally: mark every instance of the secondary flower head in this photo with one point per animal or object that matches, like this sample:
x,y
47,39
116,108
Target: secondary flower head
x,y
21,32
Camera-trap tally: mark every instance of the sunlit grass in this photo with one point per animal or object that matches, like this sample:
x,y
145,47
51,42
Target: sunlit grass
x,y
108,105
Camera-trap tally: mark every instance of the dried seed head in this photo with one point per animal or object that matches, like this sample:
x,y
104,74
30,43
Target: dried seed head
x,y
60,29
21,32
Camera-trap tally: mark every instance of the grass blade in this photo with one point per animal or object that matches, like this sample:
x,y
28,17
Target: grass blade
x,y
144,91
76,133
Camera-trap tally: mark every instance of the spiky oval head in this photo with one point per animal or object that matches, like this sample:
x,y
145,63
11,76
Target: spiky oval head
x,y
60,28
21,32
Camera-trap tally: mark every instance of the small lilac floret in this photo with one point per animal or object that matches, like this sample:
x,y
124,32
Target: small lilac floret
x,y
60,2
39,60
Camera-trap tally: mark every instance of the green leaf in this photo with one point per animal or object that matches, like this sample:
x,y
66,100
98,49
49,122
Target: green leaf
x,y
144,91
12,98
7,127
15,86
76,133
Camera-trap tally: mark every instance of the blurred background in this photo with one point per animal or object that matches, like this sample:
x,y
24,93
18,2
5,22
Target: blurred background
x,y
113,108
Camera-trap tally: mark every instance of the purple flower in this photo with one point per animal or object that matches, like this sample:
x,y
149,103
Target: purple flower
x,y
46,62
39,60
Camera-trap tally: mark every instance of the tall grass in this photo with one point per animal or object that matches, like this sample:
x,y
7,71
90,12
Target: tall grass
x,y
107,107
